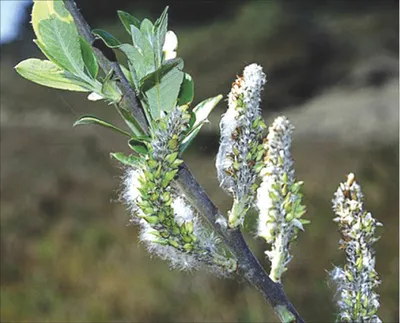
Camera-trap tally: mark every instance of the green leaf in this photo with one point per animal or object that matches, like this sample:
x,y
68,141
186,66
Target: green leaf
x,y
186,93
188,139
160,29
129,120
139,144
128,20
138,147
137,64
143,45
140,140
168,177
143,139
171,157
47,73
89,58
45,52
202,110
162,21
162,87
55,30
192,119
96,121
128,76
110,89
146,27
124,159
151,79
107,38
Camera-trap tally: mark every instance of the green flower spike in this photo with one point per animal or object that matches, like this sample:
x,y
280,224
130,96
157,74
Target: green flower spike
x,y
169,226
357,280
278,198
241,133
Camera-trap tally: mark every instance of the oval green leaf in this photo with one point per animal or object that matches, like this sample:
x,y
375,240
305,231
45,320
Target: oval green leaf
x,y
128,20
201,111
107,38
56,31
84,120
186,93
89,58
124,159
162,87
47,73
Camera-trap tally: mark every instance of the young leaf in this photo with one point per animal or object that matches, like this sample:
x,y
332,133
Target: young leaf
x,y
162,21
188,139
140,140
128,76
143,45
186,93
55,30
107,38
124,159
192,119
138,147
202,110
128,20
89,58
162,88
47,73
94,120
160,30
130,120
110,89
151,79
137,64
146,27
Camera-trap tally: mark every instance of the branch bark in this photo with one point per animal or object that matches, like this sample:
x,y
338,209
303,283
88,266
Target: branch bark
x,y
248,266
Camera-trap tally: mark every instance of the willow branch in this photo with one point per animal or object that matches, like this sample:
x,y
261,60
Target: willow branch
x,y
129,98
248,266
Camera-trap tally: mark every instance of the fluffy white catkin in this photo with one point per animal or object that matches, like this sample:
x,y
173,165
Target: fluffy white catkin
x,y
241,133
357,280
169,226
279,200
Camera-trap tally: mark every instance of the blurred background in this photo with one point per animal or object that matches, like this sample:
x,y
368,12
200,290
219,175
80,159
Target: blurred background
x,y
67,253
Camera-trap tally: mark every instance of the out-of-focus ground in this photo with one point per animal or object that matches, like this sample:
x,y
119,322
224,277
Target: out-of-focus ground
x,y
66,251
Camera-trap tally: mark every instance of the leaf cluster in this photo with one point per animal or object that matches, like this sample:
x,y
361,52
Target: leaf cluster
x,y
159,83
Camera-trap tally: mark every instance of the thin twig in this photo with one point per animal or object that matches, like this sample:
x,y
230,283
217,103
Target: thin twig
x,y
248,265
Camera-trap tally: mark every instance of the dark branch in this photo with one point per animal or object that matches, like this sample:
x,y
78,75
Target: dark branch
x,y
129,99
248,265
